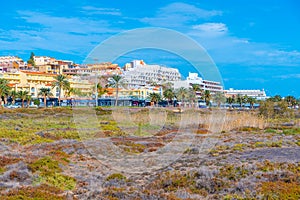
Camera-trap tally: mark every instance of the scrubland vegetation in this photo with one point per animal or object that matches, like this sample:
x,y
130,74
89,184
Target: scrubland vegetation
x,y
255,154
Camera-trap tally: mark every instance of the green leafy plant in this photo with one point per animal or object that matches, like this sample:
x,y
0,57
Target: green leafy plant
x,y
117,176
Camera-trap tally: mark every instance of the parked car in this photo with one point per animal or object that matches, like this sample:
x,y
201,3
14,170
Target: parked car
x,y
13,106
32,106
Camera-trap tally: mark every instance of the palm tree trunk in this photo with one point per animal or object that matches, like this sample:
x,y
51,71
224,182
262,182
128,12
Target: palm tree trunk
x,y
22,103
59,96
117,96
45,101
5,99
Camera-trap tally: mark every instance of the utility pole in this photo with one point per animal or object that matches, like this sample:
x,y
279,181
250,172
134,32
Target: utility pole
x,y
96,94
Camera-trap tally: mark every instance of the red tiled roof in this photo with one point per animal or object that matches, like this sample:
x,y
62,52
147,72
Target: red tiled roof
x,y
38,73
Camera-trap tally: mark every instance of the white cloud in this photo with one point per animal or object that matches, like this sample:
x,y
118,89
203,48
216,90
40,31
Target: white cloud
x,y
188,10
178,14
91,10
213,28
288,76
65,24
69,35
228,49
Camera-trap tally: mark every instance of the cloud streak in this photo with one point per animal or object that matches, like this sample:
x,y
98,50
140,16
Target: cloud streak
x,y
225,48
212,28
178,14
70,35
91,10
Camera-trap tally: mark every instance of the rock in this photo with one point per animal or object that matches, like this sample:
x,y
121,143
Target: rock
x,y
41,133
290,124
17,128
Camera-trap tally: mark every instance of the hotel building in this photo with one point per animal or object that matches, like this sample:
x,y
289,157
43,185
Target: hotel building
x,y
193,78
258,94
138,73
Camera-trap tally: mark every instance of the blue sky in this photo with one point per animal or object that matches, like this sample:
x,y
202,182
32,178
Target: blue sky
x,y
255,44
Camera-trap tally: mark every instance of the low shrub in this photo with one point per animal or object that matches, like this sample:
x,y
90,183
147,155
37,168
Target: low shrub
x,y
117,176
44,192
280,190
49,173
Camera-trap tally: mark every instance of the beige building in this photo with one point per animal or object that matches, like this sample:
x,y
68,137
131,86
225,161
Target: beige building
x,y
101,69
34,81
51,65
141,93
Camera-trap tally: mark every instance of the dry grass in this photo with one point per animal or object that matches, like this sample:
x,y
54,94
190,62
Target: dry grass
x,y
237,120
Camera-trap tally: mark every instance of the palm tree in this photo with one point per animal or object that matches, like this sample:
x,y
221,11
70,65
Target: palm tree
x,y
13,94
101,90
181,94
4,89
192,97
197,88
245,99
116,81
219,98
61,82
207,97
45,92
154,97
28,99
251,101
230,101
239,99
165,85
169,94
291,100
22,94
277,98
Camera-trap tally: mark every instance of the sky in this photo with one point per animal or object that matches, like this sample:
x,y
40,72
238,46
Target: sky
x,y
255,44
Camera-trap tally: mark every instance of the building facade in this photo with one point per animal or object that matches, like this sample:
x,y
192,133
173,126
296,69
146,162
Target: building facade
x,y
138,73
11,63
101,69
138,93
194,78
51,65
33,81
258,94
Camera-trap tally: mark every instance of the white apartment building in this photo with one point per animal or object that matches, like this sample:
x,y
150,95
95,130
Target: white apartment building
x,y
194,78
43,60
258,94
92,70
9,62
138,73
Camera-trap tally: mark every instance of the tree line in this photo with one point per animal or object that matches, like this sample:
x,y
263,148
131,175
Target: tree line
x,y
187,96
